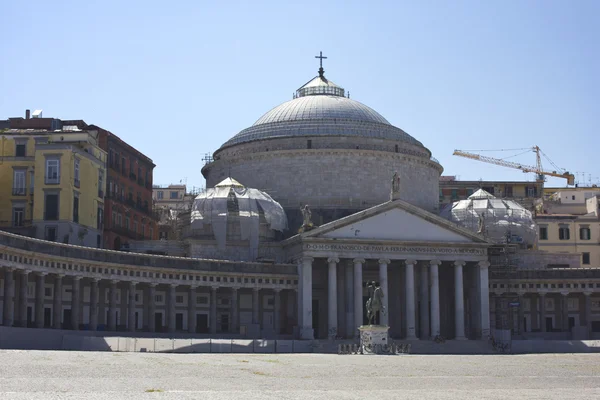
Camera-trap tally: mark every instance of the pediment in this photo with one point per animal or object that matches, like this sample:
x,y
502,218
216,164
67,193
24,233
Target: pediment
x,y
397,221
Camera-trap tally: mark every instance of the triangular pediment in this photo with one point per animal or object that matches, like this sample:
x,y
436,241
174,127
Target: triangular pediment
x,y
398,221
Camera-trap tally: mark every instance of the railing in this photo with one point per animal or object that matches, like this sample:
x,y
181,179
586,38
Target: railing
x,y
52,180
22,243
19,191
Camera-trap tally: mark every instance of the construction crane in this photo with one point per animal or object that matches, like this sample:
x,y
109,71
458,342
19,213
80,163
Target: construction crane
x,y
525,168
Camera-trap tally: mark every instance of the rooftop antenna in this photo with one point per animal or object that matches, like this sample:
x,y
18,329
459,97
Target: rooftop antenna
x,y
321,70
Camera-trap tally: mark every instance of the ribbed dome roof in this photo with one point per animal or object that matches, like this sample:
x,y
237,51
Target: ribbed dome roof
x,y
321,108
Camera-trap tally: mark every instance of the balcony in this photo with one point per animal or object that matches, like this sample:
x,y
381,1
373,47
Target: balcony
x,y
77,183
100,194
18,191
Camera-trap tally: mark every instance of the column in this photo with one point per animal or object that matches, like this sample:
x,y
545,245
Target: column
x,y
171,311
112,307
76,303
39,299
424,300
123,307
131,308
409,271
191,320
565,311
102,305
151,307
299,302
358,294
459,302
349,303
384,318
57,306
277,312
94,304
23,299
434,294
213,309
235,313
332,298
484,298
307,328
255,306
9,293
588,313
521,314
542,302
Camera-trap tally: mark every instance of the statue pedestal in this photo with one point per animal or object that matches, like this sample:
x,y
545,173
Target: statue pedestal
x,y
374,339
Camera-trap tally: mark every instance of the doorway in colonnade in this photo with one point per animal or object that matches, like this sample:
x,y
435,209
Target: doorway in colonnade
x,y
315,317
202,323
158,322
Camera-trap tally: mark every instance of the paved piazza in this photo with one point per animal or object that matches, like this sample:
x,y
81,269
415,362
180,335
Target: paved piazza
x,y
88,375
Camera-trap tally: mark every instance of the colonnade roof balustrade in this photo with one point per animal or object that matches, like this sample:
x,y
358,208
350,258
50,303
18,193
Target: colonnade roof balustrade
x,y
36,252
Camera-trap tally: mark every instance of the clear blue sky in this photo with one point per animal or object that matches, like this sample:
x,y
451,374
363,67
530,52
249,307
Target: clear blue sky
x,y
176,79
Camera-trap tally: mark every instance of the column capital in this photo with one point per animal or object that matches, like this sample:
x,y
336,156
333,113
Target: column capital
x,y
434,262
153,284
358,261
333,260
588,293
384,261
542,293
235,288
193,287
277,290
132,283
410,262
113,282
255,289
484,264
214,288
173,285
95,280
459,263
25,272
565,293
306,259
40,273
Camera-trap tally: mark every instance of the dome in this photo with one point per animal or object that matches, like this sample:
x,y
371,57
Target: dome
x,y
499,220
320,108
230,202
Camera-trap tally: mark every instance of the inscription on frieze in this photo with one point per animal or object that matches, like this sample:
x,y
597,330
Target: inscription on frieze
x,y
370,248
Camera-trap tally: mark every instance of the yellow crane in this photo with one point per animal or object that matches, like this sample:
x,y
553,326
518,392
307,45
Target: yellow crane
x,y
525,168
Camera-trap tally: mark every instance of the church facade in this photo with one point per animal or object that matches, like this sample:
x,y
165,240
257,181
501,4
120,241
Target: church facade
x,y
304,209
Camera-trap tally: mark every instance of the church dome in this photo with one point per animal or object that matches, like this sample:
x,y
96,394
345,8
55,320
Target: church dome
x,y
320,108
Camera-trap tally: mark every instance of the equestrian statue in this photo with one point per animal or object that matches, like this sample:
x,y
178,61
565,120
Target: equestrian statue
x,y
374,303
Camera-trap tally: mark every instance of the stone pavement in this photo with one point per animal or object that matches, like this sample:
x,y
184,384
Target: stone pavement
x,y
89,375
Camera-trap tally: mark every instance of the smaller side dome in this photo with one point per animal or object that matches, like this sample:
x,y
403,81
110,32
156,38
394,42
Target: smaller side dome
x,y
498,220
232,211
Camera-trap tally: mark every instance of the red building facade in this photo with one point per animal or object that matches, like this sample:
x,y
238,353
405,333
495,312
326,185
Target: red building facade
x,y
128,199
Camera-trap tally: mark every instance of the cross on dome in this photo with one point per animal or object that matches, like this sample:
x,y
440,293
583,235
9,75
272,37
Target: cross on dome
x,y
321,58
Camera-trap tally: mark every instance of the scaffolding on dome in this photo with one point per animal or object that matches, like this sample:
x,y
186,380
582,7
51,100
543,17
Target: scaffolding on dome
x,y
500,221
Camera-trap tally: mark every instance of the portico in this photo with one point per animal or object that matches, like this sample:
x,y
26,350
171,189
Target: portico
x,y
416,257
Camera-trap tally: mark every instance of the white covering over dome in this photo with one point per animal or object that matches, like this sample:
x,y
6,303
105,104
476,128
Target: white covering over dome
x,y
504,221
230,198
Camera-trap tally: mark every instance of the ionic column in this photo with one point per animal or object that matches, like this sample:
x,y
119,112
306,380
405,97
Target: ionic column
x,y
459,302
192,294
171,311
409,271
484,298
213,309
9,293
58,300
542,302
151,307
332,297
76,303
349,303
588,313
23,299
131,308
299,302
434,294
112,306
94,304
235,316
307,329
424,300
277,312
383,283
39,299
565,311
358,294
